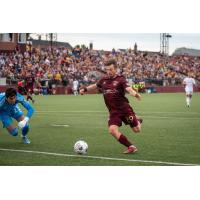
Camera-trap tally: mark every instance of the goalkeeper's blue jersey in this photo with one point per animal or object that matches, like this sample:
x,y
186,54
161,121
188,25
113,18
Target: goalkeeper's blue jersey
x,y
5,107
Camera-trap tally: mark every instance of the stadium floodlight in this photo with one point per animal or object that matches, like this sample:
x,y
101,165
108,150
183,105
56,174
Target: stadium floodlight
x,y
164,43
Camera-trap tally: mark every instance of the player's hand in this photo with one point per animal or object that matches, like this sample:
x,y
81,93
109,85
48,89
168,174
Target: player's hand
x,y
138,96
23,123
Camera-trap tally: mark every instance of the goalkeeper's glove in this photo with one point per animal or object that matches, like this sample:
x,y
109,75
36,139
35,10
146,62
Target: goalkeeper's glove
x,y
23,123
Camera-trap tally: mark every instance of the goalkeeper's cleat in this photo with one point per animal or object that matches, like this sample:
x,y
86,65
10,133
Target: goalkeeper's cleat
x,y
25,140
131,149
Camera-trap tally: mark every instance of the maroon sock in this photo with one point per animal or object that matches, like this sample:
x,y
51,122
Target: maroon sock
x,y
123,140
29,97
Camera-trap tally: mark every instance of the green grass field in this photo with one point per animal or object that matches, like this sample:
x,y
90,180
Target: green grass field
x,y
170,133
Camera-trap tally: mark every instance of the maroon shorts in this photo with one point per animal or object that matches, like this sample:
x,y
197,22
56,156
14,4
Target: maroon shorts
x,y
126,115
29,89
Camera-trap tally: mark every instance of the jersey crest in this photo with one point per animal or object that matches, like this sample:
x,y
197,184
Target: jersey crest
x,y
115,83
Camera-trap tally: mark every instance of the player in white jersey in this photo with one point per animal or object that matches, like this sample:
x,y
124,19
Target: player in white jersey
x,y
188,82
75,86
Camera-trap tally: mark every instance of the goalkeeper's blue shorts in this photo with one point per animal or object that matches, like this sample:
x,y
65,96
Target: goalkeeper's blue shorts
x,y
6,117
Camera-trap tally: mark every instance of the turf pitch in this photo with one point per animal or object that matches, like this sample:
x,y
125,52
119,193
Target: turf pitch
x,y
170,133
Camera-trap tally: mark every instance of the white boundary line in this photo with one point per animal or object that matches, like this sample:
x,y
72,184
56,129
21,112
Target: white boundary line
x,y
98,157
100,115
99,111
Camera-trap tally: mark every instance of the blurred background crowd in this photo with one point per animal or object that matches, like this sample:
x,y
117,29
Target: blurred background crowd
x,y
52,67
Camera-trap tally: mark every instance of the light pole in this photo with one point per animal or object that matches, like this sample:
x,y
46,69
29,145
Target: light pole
x,y
164,43
51,42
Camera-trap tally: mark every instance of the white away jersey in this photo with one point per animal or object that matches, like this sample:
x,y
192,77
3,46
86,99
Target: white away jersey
x,y
75,85
189,82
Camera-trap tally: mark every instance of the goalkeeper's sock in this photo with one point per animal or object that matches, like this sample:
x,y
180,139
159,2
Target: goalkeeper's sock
x,y
14,132
25,130
123,140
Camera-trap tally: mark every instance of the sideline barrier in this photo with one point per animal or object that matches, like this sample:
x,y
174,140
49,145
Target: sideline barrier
x,y
173,89
158,89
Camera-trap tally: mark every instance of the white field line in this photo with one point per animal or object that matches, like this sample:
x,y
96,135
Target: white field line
x,y
99,157
100,115
60,125
101,111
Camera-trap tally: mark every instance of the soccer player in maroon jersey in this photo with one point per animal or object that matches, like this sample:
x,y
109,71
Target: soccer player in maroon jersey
x,y
22,89
29,83
114,87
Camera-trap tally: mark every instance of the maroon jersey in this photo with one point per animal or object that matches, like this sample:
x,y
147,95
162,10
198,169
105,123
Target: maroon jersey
x,y
113,90
118,105
29,83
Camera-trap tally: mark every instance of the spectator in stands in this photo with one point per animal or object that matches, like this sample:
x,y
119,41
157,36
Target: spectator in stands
x,y
61,66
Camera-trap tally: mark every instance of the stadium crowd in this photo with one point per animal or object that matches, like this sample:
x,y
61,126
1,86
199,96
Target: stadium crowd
x,y
60,66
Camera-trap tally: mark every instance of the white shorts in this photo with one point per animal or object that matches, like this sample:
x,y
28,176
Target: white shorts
x,y
75,88
188,91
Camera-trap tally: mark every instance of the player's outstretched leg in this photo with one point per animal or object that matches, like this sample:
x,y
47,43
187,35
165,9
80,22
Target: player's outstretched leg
x,y
113,130
25,139
136,127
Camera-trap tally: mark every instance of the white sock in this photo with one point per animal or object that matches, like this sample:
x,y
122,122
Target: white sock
x,y
187,101
190,100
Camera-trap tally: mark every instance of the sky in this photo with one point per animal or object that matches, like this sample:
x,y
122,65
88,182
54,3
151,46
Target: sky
x,y
145,41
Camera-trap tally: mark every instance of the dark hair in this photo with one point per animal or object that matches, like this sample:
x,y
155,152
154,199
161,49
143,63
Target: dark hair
x,y
111,62
10,92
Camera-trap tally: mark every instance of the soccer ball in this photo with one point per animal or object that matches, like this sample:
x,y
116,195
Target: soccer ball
x,y
81,147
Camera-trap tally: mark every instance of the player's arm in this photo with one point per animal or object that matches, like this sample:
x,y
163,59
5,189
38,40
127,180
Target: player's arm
x,y
133,93
27,106
89,88
194,82
184,82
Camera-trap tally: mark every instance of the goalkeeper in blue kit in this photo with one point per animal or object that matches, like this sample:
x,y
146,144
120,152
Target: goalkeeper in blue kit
x,y
9,109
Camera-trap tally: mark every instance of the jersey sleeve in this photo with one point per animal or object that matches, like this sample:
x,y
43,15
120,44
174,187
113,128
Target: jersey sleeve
x,y
124,83
99,83
2,99
26,105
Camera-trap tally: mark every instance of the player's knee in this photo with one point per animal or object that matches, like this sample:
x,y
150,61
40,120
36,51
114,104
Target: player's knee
x,y
14,132
136,129
112,130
